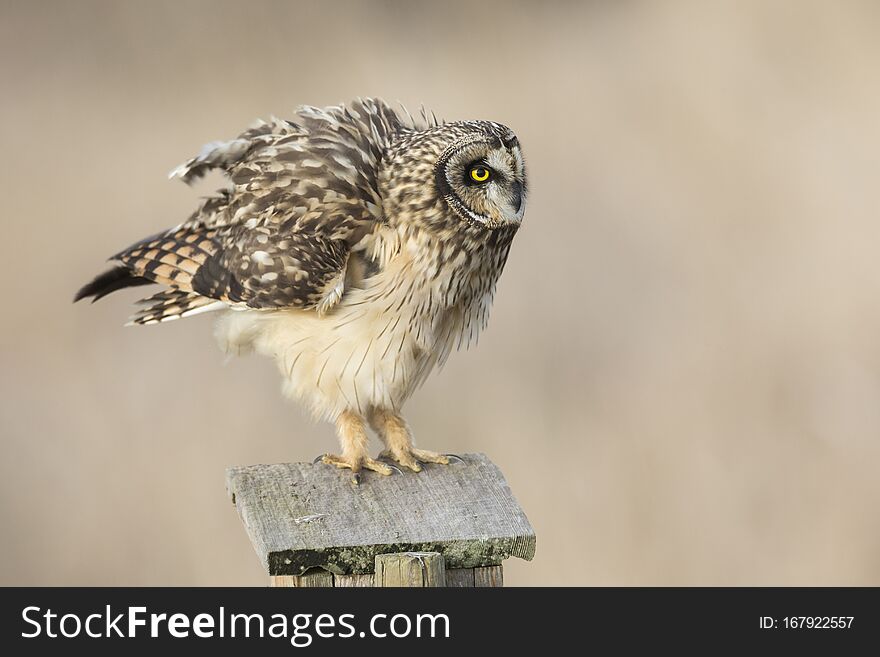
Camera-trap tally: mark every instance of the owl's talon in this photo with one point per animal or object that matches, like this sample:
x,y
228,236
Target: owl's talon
x,y
429,457
390,465
357,464
405,459
415,459
454,456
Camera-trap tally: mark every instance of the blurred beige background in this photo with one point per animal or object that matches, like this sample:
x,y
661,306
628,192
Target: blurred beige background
x,y
681,379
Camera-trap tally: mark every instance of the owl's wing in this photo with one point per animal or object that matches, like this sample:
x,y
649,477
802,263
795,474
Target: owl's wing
x,y
271,265
303,196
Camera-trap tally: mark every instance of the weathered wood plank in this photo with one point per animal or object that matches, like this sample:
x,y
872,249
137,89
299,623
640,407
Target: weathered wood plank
x,y
315,578
489,576
353,581
460,578
410,569
304,515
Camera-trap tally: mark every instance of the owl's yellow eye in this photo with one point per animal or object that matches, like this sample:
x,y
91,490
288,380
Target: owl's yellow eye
x,y
479,173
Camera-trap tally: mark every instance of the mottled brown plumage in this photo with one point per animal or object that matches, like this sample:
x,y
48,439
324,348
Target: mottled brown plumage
x,y
355,246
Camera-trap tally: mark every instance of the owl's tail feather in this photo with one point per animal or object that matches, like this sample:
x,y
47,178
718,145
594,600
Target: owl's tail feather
x,y
111,280
173,304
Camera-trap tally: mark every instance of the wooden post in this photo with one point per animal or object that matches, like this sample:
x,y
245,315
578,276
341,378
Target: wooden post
x,y
316,578
449,525
411,569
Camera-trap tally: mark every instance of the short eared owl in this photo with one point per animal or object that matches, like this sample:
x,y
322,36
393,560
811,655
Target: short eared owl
x,y
355,245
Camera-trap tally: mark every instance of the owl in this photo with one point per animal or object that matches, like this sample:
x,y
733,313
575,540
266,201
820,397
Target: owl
x,y
354,245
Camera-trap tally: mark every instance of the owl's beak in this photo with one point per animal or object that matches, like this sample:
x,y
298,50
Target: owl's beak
x,y
513,214
516,189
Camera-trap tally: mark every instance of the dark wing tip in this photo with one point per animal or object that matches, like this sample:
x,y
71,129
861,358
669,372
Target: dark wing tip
x,y
109,281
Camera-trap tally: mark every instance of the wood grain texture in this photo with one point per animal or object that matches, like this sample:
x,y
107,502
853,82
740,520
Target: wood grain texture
x,y
303,515
316,578
488,576
460,578
353,581
410,569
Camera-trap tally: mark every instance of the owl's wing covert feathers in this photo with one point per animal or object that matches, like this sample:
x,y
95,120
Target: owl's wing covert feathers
x,y
303,196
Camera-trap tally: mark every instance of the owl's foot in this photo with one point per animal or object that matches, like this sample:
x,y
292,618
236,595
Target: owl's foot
x,y
396,434
356,465
412,457
353,437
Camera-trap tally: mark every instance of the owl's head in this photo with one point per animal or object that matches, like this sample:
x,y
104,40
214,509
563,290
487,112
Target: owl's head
x,y
467,172
481,176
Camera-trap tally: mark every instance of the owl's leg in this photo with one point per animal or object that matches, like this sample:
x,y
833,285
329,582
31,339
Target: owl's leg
x,y
353,437
396,434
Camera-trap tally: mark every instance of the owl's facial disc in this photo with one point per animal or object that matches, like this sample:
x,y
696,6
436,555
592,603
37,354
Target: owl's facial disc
x,y
482,179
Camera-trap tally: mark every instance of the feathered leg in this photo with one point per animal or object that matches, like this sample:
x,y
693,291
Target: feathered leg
x,y
353,438
396,434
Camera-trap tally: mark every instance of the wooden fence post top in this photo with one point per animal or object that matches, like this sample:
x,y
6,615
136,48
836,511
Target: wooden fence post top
x,y
303,515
